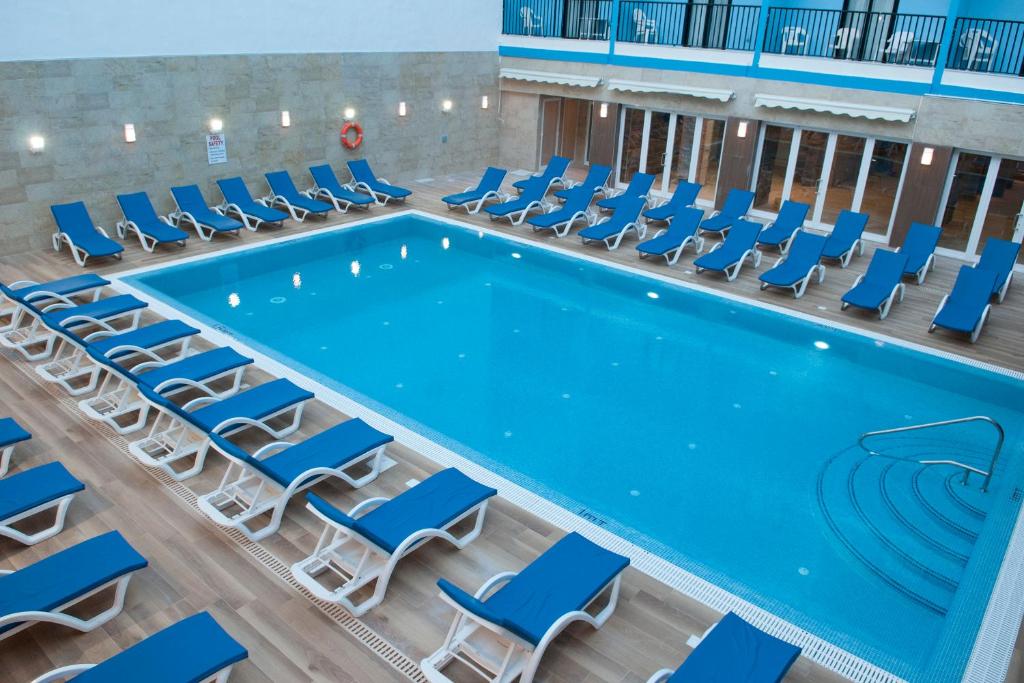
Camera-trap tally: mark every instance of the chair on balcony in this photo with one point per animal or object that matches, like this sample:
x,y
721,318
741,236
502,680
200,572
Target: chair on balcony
x,y
646,29
898,49
531,22
846,42
794,40
976,49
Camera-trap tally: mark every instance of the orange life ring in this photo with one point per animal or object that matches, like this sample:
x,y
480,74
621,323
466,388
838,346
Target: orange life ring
x,y
351,144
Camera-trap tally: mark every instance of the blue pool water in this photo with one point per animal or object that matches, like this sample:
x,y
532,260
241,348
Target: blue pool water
x,y
715,434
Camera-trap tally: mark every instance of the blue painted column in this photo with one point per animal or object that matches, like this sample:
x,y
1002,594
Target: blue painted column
x,y
613,28
762,26
952,12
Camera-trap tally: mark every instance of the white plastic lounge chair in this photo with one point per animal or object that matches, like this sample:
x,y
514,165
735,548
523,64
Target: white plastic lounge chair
x,y
798,267
794,40
518,208
118,395
531,20
733,651
553,174
967,307
503,630
265,481
326,186
193,650
919,247
729,255
88,287
646,29
612,229
300,205
1000,257
180,432
560,219
846,238
786,225
472,199
84,238
251,212
45,590
639,186
192,208
734,209
363,178
11,434
880,286
139,216
363,548
596,180
671,241
33,493
684,196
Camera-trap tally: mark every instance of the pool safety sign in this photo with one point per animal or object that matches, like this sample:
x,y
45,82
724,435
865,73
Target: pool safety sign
x,y
216,148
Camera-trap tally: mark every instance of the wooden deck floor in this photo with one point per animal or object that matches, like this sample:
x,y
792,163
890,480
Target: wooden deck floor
x,y
195,566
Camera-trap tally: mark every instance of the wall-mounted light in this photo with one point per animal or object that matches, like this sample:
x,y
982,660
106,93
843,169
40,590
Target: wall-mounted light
x,y
741,129
401,108
446,106
286,119
484,102
129,132
350,113
603,110
36,143
926,156
216,125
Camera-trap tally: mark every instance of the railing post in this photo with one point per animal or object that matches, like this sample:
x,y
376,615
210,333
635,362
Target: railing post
x,y
944,46
760,37
613,27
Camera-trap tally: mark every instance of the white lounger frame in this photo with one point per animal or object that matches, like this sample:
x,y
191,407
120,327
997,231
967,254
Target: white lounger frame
x,y
60,505
517,217
733,270
562,229
149,243
1001,294
297,213
58,616
896,294
976,332
673,254
847,256
110,404
613,241
340,205
494,653
16,310
478,204
5,458
692,642
922,273
800,286
22,338
356,185
80,255
171,438
254,494
205,232
66,672
360,562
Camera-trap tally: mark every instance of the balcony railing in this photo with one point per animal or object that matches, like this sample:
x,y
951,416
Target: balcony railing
x,y
721,27
987,45
891,38
577,19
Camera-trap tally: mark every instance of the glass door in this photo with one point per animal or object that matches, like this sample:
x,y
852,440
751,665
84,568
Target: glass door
x,y
963,197
659,130
631,143
772,166
810,160
839,186
881,183
682,156
1005,215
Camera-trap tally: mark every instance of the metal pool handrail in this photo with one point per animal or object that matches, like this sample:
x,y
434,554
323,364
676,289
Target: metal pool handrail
x,y
927,425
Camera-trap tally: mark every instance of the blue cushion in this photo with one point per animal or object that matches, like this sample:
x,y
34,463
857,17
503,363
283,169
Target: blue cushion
x,y
323,176
235,192
138,209
804,252
431,504
556,168
256,404
101,310
736,205
197,368
189,651
999,256
361,172
68,574
848,229
65,286
741,239
790,218
74,221
683,225
30,488
281,184
918,245
147,337
737,652
627,212
11,432
190,200
884,272
966,303
597,178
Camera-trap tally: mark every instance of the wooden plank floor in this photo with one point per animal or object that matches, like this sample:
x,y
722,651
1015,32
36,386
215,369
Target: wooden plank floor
x,y
194,566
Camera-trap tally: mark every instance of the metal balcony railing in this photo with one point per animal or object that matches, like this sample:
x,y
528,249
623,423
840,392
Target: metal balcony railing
x,y
576,19
987,45
657,22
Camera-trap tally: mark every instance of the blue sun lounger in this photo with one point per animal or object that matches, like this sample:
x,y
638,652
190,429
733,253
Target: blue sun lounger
x,y
180,432
84,238
553,174
11,434
517,208
881,285
967,307
192,208
728,255
44,590
787,223
118,393
72,363
326,186
795,269
239,203
15,295
43,490
919,247
846,237
737,204
611,229
671,241
639,186
266,480
596,181
561,218
999,256
685,196
363,547
139,216
523,613
489,188
363,178
299,205
193,650
733,651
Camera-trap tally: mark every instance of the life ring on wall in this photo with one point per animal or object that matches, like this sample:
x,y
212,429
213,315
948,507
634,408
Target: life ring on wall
x,y
349,142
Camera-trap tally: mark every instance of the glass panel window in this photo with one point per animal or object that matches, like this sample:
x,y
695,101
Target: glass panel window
x,y
1005,219
962,203
842,178
709,157
657,143
682,149
881,185
771,170
810,159
632,141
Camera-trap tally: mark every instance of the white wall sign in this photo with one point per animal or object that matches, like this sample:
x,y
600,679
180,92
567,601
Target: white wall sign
x,y
216,148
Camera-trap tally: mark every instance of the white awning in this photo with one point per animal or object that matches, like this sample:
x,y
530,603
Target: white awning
x,y
670,88
837,108
550,77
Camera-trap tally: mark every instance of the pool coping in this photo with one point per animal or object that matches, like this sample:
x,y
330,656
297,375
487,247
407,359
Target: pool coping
x,y
993,646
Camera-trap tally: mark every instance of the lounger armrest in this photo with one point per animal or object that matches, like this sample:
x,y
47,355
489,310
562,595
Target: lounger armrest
x,y
860,278
199,403
17,284
218,210
660,233
384,180
661,676
61,302
467,603
63,673
716,247
198,386
86,319
715,213
101,231
268,450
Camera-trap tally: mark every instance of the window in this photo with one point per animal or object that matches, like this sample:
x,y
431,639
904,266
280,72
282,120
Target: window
x,y
984,198
709,157
771,169
962,200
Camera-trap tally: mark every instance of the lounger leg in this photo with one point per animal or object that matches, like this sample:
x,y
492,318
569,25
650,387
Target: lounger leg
x,y
61,504
5,459
58,616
